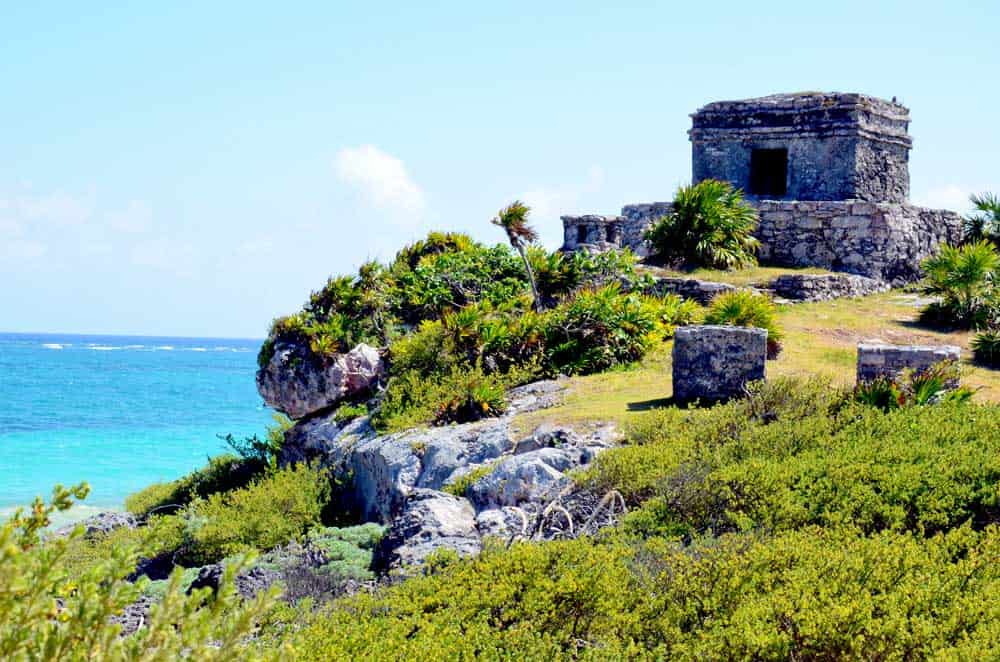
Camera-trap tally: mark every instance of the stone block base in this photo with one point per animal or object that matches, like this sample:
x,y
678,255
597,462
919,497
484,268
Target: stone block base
x,y
714,363
876,361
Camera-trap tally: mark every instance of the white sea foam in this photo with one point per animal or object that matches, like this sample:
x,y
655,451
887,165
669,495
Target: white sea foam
x,y
103,348
198,349
52,345
165,348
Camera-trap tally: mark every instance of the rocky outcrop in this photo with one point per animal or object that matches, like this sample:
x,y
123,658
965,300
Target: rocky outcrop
x,y
430,521
248,584
298,383
398,479
101,524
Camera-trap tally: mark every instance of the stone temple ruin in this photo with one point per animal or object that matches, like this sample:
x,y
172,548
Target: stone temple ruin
x,y
828,173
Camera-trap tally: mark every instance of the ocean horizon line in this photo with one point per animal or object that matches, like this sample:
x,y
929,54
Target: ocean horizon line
x,y
60,334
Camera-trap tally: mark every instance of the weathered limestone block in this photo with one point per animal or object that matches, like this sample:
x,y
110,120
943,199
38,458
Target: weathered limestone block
x,y
876,361
823,287
297,382
715,362
702,291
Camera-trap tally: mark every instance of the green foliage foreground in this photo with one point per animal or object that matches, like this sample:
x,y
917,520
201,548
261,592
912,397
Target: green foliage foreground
x,y
50,613
794,524
797,523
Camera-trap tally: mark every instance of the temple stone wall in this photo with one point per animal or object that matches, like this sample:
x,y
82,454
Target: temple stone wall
x,y
841,163
714,363
839,146
886,242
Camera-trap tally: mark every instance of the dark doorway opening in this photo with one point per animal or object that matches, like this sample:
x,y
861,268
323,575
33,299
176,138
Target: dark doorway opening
x,y
769,173
581,234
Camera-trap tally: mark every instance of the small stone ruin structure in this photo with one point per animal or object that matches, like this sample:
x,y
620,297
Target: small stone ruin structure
x,y
715,363
876,361
828,173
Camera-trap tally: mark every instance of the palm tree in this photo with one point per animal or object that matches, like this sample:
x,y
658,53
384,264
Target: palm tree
x,y
985,223
514,220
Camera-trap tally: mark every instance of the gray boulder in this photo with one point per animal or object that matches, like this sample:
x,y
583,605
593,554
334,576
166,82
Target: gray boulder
x,y
529,477
297,382
248,584
100,524
430,521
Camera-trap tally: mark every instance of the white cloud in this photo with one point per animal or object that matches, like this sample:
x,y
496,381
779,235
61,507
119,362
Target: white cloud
x,y
135,218
380,177
21,250
55,208
951,197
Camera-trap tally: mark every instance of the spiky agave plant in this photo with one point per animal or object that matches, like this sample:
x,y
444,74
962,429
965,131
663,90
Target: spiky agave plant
x,y
710,225
514,220
985,222
963,276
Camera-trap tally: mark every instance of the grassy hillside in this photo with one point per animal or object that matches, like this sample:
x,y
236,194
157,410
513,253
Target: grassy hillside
x,y
821,340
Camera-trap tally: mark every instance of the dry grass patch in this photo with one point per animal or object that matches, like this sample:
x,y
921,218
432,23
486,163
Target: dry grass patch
x,y
820,339
752,276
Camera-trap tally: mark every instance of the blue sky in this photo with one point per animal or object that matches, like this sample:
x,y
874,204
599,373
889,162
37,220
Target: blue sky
x,y
196,168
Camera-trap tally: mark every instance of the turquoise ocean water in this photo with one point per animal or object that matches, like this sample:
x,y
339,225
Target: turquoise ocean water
x,y
119,412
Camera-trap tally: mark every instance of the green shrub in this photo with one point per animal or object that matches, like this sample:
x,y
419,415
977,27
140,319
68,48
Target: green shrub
x,y
921,469
348,550
986,347
462,395
963,276
930,386
49,610
222,474
270,511
599,329
710,225
745,308
984,223
561,274
348,412
461,486
813,594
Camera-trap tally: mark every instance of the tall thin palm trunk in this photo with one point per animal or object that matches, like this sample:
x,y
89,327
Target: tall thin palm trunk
x,y
531,276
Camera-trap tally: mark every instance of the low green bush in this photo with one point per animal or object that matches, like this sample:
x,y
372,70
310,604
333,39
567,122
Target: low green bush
x,y
813,594
222,474
270,511
461,396
254,457
598,329
921,469
914,389
964,279
51,610
709,225
986,347
745,308
348,550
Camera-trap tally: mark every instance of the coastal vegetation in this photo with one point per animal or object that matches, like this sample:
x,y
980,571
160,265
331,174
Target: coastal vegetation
x,y
709,225
810,519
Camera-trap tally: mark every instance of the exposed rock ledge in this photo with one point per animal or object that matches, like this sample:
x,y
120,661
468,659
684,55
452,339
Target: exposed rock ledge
x,y
297,382
397,479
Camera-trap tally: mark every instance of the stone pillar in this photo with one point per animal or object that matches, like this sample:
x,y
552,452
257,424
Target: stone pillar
x,y
714,363
876,361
